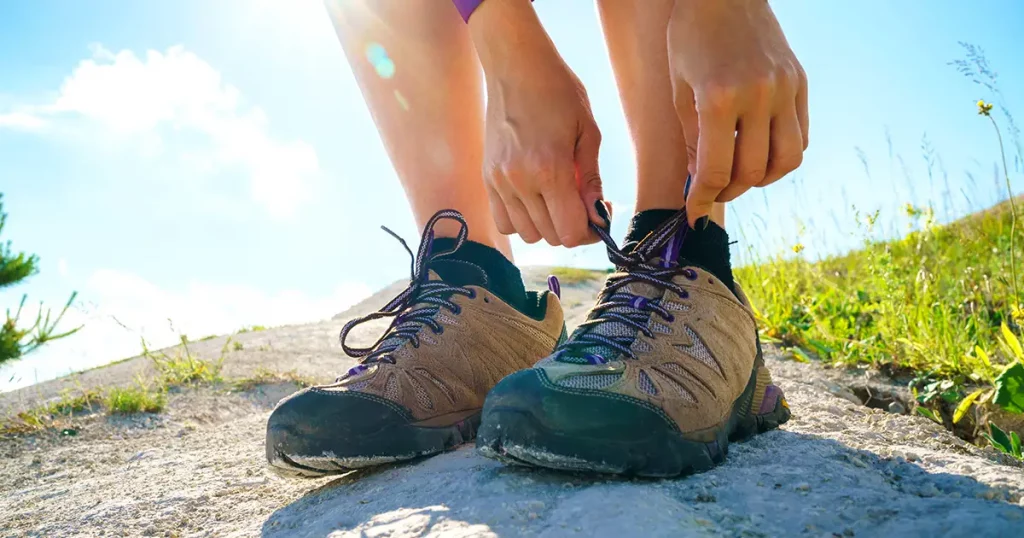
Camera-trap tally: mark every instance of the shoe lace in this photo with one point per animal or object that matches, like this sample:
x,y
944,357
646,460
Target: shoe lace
x,y
616,305
416,306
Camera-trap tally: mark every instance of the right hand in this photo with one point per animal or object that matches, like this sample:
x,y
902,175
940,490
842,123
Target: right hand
x,y
541,143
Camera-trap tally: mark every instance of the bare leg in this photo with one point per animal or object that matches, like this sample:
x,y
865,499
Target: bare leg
x,y
636,33
420,77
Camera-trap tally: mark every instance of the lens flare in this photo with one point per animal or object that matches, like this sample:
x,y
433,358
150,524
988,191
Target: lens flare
x,y
401,100
378,57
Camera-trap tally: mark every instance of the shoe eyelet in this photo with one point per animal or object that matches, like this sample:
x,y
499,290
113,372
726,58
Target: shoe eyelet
x,y
457,310
472,294
439,331
487,299
690,274
671,318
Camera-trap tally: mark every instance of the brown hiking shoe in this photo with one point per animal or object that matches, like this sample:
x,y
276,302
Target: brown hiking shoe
x,y
664,374
418,390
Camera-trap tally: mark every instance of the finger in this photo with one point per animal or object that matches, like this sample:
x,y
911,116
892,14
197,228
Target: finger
x,y
802,109
750,163
786,148
538,211
715,147
517,213
498,211
588,179
568,214
686,110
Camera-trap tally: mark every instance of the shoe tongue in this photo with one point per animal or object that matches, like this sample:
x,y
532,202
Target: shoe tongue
x,y
458,272
613,328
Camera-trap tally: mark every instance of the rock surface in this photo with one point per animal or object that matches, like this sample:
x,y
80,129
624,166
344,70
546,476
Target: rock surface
x,y
837,468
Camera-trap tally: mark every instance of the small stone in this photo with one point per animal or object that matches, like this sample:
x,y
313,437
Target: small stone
x,y
897,408
802,487
989,494
929,490
911,456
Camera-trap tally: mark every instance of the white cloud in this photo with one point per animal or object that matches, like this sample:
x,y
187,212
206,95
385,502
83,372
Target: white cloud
x,y
22,121
172,96
127,306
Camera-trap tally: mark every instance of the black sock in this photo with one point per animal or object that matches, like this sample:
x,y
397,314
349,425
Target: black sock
x,y
706,246
478,264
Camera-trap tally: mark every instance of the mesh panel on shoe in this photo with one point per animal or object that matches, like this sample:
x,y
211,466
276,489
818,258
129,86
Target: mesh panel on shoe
x,y
667,381
675,307
391,388
645,384
680,373
358,385
448,320
700,351
660,328
614,328
422,397
440,384
595,381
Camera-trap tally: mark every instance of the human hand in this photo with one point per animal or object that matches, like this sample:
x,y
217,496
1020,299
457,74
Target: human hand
x,y
741,96
541,142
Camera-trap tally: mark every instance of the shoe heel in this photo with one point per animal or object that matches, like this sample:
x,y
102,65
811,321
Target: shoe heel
x,y
767,411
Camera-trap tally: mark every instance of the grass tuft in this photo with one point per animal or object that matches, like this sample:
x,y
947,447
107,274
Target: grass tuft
x,y
136,399
574,275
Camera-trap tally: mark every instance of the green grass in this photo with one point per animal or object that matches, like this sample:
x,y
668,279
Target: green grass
x,y
574,275
136,399
182,367
264,376
251,329
928,306
176,367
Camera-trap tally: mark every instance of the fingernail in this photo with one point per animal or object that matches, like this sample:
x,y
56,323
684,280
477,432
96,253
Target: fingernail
x,y
602,212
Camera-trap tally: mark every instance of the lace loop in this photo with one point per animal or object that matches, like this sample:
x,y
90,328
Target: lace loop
x,y
417,305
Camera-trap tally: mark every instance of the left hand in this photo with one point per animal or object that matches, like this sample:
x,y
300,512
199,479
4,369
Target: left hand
x,y
741,96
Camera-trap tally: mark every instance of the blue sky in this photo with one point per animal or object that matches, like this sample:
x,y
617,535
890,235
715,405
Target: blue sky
x,y
213,162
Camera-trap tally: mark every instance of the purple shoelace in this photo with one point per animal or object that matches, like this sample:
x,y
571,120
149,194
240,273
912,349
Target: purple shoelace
x,y
617,305
416,306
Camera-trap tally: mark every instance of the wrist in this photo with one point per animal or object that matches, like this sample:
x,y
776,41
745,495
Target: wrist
x,y
508,36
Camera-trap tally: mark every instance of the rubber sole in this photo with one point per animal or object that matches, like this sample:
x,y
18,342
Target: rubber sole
x,y
316,459
516,436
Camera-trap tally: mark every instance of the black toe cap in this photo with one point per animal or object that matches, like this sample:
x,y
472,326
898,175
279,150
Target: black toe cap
x,y
314,421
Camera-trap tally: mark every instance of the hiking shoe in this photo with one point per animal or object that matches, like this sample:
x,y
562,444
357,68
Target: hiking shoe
x,y
665,372
420,388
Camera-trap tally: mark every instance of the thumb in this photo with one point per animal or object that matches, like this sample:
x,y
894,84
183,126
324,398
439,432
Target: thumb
x,y
686,109
588,175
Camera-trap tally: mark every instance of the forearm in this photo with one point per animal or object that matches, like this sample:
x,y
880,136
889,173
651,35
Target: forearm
x,y
508,35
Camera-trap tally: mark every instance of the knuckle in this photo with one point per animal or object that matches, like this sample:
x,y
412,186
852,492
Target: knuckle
x,y
751,177
719,97
715,178
762,89
788,77
789,162
573,239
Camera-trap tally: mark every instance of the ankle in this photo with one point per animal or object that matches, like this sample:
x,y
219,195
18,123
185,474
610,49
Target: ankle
x,y
706,246
503,278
